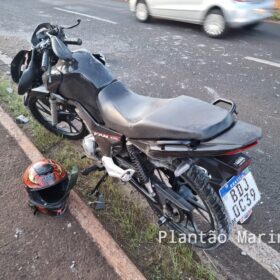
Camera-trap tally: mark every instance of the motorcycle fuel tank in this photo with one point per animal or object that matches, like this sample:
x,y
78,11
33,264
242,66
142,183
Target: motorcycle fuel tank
x,y
82,79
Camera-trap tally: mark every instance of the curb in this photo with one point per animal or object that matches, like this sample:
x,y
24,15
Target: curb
x,y
272,21
112,252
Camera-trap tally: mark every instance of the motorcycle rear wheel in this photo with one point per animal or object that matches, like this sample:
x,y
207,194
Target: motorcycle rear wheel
x,y
193,230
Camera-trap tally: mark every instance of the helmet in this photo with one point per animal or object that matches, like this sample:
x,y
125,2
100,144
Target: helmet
x,y
48,186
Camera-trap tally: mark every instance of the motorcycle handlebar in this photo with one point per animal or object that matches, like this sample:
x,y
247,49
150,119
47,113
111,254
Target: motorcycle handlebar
x,y
45,60
73,41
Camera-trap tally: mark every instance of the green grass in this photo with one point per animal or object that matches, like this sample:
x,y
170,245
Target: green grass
x,y
13,103
276,16
130,221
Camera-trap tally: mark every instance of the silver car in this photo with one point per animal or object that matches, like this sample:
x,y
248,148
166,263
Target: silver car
x,y
216,16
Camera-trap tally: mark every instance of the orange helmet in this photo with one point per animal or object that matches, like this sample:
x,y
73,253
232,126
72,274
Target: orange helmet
x,y
48,186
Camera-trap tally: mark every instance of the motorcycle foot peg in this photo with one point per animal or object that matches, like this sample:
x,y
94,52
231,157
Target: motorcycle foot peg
x,y
95,191
91,169
162,220
115,171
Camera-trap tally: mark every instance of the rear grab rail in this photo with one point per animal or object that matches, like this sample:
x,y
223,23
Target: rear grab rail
x,y
229,102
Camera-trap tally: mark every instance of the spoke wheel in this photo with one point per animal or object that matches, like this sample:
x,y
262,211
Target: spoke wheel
x,y
69,123
208,218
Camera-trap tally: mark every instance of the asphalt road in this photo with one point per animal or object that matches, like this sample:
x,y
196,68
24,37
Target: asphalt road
x,y
167,59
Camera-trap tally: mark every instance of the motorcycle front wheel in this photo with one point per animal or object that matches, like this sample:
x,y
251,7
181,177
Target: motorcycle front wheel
x,y
69,125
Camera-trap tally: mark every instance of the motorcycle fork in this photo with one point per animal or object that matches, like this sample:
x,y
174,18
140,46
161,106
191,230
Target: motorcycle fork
x,y
54,109
55,100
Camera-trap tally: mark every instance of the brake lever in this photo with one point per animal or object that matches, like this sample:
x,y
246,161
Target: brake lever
x,y
70,27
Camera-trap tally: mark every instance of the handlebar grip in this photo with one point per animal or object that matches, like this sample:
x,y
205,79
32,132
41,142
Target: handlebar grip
x,y
45,60
73,41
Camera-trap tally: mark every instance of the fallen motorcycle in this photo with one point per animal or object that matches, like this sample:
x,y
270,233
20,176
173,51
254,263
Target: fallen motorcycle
x,y
184,155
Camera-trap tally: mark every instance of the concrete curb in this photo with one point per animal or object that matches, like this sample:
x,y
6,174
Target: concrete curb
x,y
114,255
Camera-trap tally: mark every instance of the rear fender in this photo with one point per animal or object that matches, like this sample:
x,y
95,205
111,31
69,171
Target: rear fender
x,y
220,169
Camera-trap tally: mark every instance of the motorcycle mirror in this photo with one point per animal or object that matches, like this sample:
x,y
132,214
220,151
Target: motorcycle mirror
x,y
70,27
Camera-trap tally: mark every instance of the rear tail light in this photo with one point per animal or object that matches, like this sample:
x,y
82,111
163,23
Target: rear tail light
x,y
238,151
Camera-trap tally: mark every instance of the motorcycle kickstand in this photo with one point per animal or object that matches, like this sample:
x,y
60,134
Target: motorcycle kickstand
x,y
95,191
100,202
91,169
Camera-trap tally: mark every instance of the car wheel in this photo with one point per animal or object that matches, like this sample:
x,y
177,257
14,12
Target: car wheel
x,y
142,11
215,25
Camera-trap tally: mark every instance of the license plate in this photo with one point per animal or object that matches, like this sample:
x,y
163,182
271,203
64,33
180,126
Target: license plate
x,y
239,195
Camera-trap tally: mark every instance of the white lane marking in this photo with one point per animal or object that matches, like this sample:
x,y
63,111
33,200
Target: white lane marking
x,y
271,63
7,60
262,253
85,15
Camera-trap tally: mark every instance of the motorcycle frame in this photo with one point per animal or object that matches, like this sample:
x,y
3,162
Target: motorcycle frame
x,y
112,143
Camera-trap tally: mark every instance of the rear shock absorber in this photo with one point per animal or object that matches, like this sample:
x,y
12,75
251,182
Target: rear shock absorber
x,y
144,179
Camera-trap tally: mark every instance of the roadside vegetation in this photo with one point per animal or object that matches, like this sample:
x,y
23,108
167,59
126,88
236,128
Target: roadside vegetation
x,y
130,221
276,15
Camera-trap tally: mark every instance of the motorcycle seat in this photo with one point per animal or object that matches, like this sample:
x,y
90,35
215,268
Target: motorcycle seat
x,y
142,117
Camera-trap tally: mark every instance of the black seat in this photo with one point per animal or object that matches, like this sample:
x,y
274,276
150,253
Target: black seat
x,y
183,117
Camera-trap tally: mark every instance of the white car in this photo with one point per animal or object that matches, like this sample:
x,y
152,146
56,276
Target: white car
x,y
216,16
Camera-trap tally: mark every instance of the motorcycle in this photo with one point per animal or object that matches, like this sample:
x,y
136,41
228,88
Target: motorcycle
x,y
185,156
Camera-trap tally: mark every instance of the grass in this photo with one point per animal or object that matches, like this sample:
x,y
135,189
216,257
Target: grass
x,y
276,15
130,221
13,103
